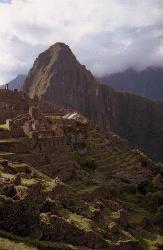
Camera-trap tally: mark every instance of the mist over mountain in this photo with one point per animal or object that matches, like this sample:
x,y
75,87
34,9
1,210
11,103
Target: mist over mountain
x,y
58,77
147,83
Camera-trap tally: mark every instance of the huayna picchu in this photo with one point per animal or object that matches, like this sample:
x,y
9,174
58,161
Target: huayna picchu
x,y
66,184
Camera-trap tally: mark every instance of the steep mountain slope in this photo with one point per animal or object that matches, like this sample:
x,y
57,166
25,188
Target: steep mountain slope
x,y
16,83
57,76
147,83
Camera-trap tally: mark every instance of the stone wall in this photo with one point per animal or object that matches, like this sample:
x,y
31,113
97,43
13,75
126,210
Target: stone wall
x,y
9,114
4,134
48,145
14,146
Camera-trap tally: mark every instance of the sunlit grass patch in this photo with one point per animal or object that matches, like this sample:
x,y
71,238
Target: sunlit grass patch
x,y
152,244
80,221
6,244
4,126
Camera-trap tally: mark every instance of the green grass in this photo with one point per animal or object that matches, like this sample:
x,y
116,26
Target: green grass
x,y
28,182
4,126
151,244
6,244
79,221
54,117
21,166
13,242
49,185
34,176
7,176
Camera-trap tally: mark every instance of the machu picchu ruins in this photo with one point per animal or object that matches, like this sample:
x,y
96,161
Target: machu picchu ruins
x,y
81,125
66,184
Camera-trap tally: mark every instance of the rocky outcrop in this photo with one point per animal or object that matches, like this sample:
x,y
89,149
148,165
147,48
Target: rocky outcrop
x,y
19,208
57,76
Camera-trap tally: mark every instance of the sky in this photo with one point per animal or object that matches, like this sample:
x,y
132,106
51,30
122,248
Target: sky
x,y
107,36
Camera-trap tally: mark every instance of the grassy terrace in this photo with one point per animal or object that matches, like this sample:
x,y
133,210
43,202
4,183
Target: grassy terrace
x,y
54,117
12,242
6,154
8,140
6,244
4,126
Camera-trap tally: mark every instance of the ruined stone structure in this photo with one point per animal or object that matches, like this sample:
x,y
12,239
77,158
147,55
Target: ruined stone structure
x,y
34,125
38,132
12,104
7,87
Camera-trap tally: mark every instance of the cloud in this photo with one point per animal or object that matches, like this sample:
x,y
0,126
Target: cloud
x,y
108,35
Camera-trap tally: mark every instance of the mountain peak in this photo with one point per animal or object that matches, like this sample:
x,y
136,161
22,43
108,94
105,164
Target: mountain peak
x,y
60,45
62,52
56,66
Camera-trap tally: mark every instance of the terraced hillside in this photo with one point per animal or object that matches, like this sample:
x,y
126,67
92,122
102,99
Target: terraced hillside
x,y
91,194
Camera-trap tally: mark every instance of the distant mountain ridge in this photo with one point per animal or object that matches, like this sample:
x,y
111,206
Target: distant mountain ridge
x,y
16,83
147,83
58,77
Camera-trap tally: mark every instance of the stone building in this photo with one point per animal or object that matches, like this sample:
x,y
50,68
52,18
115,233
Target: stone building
x,y
37,131
34,124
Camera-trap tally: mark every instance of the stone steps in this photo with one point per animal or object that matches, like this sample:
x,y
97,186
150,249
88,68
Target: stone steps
x,y
97,144
89,140
65,163
102,154
98,147
7,155
99,151
107,167
115,162
108,160
113,157
8,140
